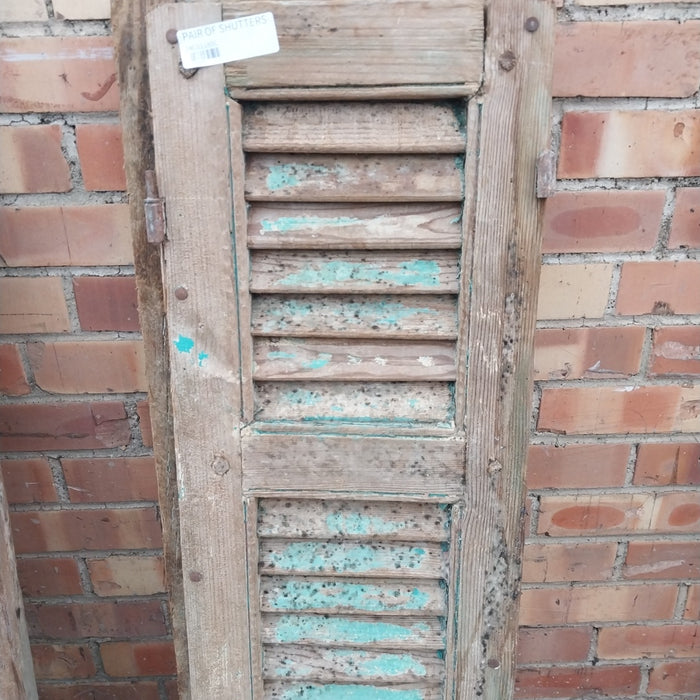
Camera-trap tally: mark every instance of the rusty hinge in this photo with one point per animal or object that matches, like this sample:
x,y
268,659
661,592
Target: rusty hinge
x,y
154,207
546,174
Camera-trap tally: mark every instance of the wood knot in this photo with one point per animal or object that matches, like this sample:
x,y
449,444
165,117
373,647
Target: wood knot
x,y
220,465
507,61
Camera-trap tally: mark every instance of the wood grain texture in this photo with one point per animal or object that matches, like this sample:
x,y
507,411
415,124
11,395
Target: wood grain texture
x,y
338,464
369,44
354,226
346,127
204,363
294,691
129,34
16,667
348,178
515,123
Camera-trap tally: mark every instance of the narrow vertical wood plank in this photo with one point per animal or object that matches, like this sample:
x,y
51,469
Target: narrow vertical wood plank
x,y
16,670
515,109
194,178
129,32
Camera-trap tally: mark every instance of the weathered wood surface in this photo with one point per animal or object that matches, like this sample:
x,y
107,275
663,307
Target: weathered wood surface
x,y
349,272
314,315
371,44
16,668
371,632
353,360
129,34
348,178
296,691
429,467
204,362
386,406
328,519
515,128
361,127
333,665
359,226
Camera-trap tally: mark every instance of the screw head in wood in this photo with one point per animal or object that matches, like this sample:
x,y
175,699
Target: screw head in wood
x,y
507,61
532,24
493,663
181,293
195,576
171,36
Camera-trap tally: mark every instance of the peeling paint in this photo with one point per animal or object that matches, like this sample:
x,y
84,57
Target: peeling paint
x,y
350,692
359,524
202,358
184,344
284,175
380,665
318,362
286,224
279,355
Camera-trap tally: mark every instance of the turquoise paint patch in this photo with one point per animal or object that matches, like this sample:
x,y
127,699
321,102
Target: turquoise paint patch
x,y
184,344
359,524
372,665
350,692
319,595
289,174
285,224
202,358
320,556
295,628
275,355
423,273
302,397
318,362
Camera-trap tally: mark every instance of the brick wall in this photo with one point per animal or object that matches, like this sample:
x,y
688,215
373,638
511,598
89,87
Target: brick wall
x,y
611,593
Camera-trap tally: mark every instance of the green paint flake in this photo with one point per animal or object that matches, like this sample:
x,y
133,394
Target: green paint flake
x,y
367,665
420,273
350,692
283,175
318,362
314,628
286,224
319,595
278,355
184,344
359,524
202,358
302,397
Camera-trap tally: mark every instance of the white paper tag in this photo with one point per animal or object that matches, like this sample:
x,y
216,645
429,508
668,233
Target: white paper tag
x,y
233,40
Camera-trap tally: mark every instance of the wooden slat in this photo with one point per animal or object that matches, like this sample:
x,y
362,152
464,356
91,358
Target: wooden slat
x,y
407,522
369,632
354,226
347,178
353,360
369,404
431,467
307,691
370,43
343,665
349,558
360,127
345,596
205,366
395,316
347,273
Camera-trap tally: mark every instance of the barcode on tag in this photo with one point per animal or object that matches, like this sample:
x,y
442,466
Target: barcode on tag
x,y
232,40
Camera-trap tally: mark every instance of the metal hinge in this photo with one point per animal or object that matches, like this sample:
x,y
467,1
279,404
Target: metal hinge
x,y
546,174
154,208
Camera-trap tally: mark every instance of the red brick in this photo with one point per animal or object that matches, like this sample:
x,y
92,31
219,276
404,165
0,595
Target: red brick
x,y
602,514
13,380
676,350
675,677
546,563
609,410
553,645
58,236
640,641
677,512
28,481
626,59
81,9
659,288
101,156
602,221
574,682
644,143
692,604
23,11
88,367
71,530
145,690
33,305
666,464
685,226
576,466
573,291
662,560
58,74
599,353
72,425
32,160
567,605
171,690
50,576
145,423
106,303
104,619
62,661
127,575
110,479
138,658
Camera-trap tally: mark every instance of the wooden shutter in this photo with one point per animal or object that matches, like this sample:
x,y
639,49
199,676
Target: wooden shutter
x,y
318,273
